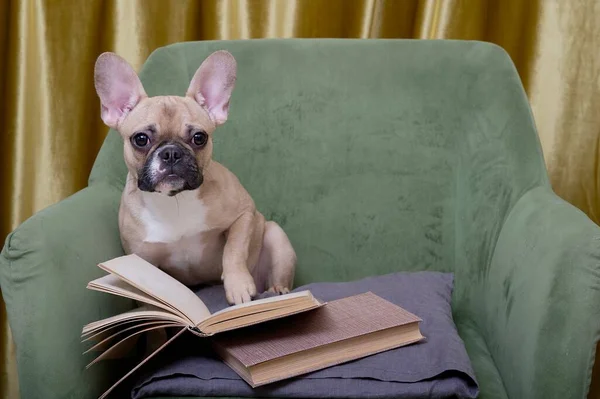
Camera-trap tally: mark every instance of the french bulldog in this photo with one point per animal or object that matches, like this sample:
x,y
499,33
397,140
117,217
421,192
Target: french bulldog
x,y
181,210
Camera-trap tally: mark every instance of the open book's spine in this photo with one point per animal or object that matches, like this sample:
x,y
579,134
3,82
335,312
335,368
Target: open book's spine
x,y
196,331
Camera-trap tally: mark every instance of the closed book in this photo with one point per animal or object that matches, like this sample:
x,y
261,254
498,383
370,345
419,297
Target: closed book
x,y
344,330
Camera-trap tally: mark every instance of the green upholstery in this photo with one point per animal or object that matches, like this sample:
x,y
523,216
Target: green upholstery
x,y
375,156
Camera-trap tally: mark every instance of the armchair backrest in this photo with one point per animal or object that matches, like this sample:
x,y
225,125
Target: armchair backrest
x,y
373,155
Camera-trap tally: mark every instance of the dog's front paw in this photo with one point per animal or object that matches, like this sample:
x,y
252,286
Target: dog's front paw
x,y
239,288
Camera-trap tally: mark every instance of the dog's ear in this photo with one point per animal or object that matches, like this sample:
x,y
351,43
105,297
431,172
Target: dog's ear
x,y
118,87
213,84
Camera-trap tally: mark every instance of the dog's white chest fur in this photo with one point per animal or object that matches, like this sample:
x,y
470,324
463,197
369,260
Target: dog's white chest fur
x,y
177,227
170,219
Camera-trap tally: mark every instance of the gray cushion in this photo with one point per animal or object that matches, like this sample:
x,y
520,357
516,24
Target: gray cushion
x,y
436,367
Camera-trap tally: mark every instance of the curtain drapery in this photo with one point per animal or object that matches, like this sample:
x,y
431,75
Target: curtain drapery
x,y
50,130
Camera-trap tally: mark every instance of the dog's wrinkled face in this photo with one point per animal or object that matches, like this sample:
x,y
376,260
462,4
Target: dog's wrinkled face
x,y
168,144
167,139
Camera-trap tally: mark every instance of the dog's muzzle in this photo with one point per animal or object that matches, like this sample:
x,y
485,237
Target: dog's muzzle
x,y
171,168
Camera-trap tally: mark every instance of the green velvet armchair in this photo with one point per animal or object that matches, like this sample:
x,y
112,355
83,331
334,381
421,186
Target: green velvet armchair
x,y
375,156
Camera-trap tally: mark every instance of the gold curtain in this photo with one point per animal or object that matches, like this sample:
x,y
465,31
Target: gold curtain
x,y
50,130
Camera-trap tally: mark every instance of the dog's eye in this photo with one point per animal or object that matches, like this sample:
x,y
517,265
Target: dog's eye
x,y
199,139
140,140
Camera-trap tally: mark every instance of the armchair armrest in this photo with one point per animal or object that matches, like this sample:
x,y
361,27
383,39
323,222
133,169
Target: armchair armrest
x,y
44,268
541,310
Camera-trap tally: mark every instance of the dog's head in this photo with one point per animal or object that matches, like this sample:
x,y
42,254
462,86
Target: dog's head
x,y
167,139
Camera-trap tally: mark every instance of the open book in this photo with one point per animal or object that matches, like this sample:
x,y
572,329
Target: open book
x,y
169,303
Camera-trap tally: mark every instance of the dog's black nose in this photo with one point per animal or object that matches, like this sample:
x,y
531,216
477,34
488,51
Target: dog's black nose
x,y
170,154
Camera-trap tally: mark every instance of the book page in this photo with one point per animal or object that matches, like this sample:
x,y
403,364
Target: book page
x,y
104,343
100,334
158,284
258,311
243,307
123,342
112,284
256,318
142,313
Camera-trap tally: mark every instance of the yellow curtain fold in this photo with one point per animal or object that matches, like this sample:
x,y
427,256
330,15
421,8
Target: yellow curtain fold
x,y
49,119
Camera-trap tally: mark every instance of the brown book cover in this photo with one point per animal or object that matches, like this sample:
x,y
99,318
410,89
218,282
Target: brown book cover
x,y
344,330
